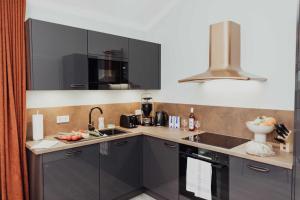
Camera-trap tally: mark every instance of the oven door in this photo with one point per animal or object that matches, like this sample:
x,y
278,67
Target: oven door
x,y
220,180
109,73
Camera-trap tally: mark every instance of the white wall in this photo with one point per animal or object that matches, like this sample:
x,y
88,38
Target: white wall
x,y
268,49
181,26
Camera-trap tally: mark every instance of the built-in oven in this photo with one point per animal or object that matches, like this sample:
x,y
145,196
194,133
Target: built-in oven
x,y
108,71
220,172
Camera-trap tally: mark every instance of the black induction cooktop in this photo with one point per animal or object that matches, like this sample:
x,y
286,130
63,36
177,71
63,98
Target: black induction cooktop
x,y
214,139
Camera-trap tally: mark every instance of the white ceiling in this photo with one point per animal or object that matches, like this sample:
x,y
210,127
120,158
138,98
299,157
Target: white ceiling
x,y
137,14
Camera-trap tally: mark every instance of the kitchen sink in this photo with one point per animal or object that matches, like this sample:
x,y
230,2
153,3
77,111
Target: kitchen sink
x,y
95,135
113,131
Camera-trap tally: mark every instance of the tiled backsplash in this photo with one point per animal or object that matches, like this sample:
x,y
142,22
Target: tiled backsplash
x,y
222,120
226,120
78,116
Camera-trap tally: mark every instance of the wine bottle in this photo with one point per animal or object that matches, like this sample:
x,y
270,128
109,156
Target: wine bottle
x,y
192,120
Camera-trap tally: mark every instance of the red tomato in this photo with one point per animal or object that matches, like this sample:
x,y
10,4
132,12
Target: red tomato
x,y
75,137
68,137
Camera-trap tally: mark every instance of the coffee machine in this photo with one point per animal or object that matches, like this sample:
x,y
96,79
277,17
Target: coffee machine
x,y
146,107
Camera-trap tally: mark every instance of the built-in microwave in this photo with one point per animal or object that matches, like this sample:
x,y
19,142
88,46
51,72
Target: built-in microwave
x,y
108,71
96,72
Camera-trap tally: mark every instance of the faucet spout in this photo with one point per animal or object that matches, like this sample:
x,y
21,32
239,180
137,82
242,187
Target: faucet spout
x,y
91,124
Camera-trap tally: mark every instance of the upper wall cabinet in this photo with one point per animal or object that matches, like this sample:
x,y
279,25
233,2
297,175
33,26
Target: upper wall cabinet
x,y
144,65
66,58
49,48
102,44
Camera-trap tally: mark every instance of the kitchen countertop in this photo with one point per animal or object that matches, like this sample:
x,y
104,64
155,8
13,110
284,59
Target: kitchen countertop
x,y
281,159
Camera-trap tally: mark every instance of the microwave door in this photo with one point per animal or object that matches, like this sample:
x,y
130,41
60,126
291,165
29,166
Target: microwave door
x,y
103,73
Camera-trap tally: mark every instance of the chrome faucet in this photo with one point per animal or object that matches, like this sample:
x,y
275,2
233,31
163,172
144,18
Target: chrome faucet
x,y
91,126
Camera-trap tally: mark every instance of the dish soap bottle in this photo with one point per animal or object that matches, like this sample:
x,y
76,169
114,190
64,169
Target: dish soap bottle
x,y
192,120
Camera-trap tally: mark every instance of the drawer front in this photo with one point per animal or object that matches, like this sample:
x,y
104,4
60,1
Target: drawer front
x,y
68,153
266,172
254,180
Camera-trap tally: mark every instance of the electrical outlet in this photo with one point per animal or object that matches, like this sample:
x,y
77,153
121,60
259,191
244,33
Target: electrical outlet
x,y
62,119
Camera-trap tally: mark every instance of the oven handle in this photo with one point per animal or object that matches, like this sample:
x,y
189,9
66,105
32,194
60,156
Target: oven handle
x,y
201,156
204,158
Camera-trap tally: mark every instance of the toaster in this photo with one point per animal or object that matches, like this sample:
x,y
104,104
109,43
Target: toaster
x,y
128,121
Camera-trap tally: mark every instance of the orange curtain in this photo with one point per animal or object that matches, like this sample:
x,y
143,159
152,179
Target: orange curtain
x,y
13,167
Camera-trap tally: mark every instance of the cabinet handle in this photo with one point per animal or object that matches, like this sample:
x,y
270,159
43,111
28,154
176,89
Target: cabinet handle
x,y
259,169
169,145
121,143
77,85
72,153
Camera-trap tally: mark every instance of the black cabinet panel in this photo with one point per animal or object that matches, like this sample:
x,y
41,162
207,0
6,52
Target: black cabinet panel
x,y
161,167
144,65
251,180
62,57
49,44
72,174
106,44
120,167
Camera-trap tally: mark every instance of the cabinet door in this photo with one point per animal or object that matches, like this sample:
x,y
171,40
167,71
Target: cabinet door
x,y
251,180
106,44
160,167
144,65
72,174
297,161
120,167
49,44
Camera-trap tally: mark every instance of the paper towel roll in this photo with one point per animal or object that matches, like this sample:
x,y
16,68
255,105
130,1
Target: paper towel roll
x,y
101,123
37,127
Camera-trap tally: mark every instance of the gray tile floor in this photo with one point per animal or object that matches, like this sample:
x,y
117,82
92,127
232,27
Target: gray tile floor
x,y
142,197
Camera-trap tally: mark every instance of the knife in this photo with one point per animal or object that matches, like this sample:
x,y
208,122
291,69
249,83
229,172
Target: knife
x,y
279,140
279,128
280,133
284,128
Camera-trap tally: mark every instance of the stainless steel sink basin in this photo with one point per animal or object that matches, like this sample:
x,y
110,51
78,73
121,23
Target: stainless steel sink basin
x,y
113,131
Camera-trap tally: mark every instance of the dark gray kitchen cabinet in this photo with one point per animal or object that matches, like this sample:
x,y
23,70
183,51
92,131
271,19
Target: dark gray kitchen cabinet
x,y
161,167
72,174
296,170
144,65
120,167
47,46
297,164
103,44
251,180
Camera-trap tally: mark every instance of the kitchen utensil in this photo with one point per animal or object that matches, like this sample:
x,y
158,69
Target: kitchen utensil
x,y
161,118
128,121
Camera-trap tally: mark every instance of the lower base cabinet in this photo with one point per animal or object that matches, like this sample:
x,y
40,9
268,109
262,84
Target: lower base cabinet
x,y
71,174
120,167
161,167
251,180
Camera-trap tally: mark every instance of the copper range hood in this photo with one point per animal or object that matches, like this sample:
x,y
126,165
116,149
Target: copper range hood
x,y
224,55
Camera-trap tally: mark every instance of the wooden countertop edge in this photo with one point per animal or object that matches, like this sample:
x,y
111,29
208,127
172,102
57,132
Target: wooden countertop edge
x,y
236,151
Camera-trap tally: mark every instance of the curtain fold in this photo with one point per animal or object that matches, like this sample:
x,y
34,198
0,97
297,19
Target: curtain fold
x,y
13,167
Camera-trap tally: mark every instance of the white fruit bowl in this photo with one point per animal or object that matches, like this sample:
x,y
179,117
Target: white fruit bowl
x,y
260,131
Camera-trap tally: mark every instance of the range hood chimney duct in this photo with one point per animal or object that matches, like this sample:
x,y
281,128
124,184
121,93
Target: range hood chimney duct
x,y
224,55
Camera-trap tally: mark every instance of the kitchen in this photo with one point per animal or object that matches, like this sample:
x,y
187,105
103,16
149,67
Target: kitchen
x,y
196,138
